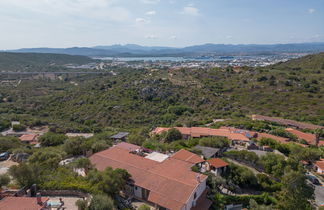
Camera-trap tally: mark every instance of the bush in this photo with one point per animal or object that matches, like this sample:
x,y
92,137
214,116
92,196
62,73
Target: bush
x,y
19,127
241,176
75,146
8,143
179,110
216,142
52,139
4,180
172,135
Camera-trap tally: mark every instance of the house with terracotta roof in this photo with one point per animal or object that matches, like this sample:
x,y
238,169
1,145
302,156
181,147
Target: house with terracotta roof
x,y
199,132
278,139
216,166
286,122
23,203
167,184
319,166
308,137
29,138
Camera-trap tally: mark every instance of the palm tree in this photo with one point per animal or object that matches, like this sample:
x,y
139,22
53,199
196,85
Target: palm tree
x,y
318,134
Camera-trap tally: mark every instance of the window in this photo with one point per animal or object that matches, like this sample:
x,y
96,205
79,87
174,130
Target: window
x,y
195,195
135,188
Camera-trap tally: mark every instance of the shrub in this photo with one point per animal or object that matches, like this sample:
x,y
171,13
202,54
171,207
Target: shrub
x,y
172,135
216,142
19,127
52,139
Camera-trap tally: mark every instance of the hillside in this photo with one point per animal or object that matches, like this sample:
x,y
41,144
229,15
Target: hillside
x,y
136,98
130,50
37,61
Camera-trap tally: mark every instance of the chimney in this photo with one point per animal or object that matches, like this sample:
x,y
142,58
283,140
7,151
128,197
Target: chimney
x,y
39,199
198,178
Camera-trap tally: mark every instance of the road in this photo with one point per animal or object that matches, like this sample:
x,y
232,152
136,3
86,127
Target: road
x,y
319,194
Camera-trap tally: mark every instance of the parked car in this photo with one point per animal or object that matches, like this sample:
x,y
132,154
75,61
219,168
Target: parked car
x,y
313,179
4,156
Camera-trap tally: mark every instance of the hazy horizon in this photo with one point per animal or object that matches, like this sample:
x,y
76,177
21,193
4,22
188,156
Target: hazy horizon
x,y
88,23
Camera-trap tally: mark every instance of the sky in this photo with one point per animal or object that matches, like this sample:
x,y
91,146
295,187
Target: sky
x,y
176,23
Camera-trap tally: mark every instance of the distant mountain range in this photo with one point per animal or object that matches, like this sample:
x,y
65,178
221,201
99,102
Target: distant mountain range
x,y
131,50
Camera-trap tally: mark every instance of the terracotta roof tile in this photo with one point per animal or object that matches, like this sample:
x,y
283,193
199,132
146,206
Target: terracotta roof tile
x,y
204,132
320,164
187,156
170,182
276,138
287,122
20,203
28,137
217,163
308,137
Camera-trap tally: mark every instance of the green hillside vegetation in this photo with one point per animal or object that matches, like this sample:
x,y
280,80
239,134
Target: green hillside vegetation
x,y
37,61
137,98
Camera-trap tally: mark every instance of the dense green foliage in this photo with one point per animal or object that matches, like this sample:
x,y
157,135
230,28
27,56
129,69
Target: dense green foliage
x,y
216,142
134,98
35,62
52,139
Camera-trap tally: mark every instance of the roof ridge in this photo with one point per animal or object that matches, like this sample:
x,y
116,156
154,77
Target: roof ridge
x,y
152,172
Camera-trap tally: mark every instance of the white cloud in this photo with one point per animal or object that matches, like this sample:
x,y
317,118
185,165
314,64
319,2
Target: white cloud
x,y
173,37
153,12
95,9
311,11
229,37
190,10
151,36
150,1
142,20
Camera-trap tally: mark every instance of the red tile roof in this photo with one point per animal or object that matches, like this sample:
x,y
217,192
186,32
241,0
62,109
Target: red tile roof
x,y
217,163
276,138
127,146
187,156
171,182
20,203
308,137
287,122
320,164
28,137
204,132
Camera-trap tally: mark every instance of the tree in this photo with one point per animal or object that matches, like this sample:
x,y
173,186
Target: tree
x,y
81,204
295,192
48,159
172,135
75,146
9,143
101,202
25,174
83,163
18,127
4,180
273,164
109,181
318,134
52,139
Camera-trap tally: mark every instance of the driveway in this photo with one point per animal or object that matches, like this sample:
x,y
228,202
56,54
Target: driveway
x,y
319,195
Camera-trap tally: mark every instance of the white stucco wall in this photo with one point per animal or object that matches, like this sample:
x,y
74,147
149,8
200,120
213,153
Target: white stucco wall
x,y
138,191
199,190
